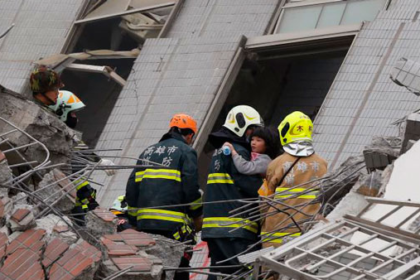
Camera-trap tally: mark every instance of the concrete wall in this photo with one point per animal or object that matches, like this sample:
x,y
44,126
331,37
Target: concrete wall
x,y
363,101
181,73
41,28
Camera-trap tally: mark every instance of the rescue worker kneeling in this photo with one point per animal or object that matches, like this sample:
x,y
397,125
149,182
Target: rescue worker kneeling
x,y
286,178
159,194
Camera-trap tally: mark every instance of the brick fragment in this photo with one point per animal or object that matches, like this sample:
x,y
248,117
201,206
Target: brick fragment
x,y
132,237
89,250
23,264
54,250
2,156
60,229
3,243
75,261
71,265
30,239
139,264
20,214
105,215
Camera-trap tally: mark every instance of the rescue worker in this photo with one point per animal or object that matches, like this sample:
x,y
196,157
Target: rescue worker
x,y
298,165
167,196
45,84
226,183
119,209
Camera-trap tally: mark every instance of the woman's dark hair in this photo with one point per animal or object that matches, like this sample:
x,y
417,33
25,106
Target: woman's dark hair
x,y
271,139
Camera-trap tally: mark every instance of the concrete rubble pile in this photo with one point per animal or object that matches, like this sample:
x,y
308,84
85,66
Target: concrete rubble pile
x,y
376,206
38,239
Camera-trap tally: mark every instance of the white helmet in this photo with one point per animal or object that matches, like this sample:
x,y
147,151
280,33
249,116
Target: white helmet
x,y
66,102
117,204
241,117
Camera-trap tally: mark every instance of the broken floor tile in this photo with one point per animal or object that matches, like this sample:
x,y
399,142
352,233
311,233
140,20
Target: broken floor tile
x,y
61,229
20,214
118,249
79,261
139,264
105,215
30,239
3,244
132,237
52,192
55,249
22,219
89,250
23,264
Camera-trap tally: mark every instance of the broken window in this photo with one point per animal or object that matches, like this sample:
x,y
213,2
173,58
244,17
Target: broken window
x,y
284,73
100,55
124,24
309,15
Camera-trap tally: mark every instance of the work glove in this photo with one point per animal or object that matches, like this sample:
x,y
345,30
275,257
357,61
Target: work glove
x,y
107,162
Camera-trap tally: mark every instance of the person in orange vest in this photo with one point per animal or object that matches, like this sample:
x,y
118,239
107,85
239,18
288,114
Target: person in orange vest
x,y
286,178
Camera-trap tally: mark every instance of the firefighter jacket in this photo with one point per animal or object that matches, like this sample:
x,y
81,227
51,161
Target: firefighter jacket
x,y
224,182
173,182
280,227
86,194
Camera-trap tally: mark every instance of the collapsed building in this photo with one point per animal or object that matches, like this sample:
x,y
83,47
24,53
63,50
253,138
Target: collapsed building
x,y
136,63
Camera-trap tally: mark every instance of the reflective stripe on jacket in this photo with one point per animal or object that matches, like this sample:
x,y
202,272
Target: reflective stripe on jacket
x,y
224,182
292,192
163,198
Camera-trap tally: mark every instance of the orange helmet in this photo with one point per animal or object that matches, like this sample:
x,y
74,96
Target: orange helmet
x,y
183,121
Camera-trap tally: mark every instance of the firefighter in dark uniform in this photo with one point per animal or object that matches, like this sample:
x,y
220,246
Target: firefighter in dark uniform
x,y
172,181
226,183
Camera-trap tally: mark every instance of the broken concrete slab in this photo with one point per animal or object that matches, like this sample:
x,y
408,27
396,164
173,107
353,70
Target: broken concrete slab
x,y
169,251
100,222
40,124
56,189
342,180
55,227
5,175
412,131
402,186
381,152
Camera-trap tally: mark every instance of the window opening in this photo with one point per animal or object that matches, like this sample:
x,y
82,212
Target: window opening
x,y
277,79
309,15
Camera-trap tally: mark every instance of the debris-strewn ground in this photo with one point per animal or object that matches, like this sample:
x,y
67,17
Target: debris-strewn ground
x,y
39,238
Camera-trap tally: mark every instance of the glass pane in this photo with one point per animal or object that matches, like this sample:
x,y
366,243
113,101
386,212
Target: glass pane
x,y
331,14
299,18
358,11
